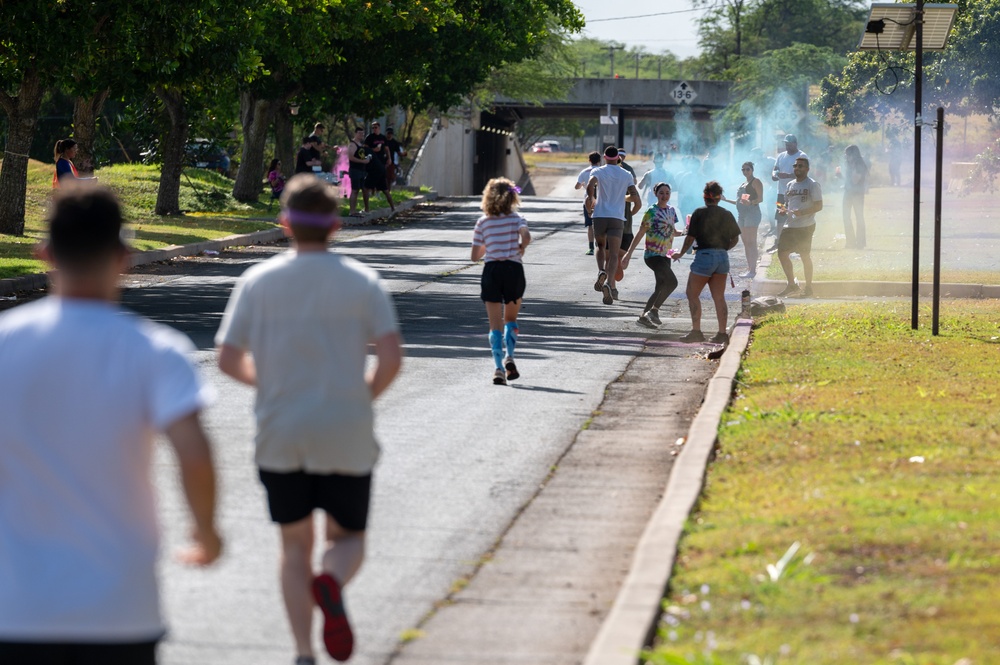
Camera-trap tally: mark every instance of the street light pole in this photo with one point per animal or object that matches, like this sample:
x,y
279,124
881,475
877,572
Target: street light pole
x,y
918,102
611,51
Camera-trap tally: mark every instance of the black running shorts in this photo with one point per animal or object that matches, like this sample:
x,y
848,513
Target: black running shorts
x,y
293,496
502,281
797,240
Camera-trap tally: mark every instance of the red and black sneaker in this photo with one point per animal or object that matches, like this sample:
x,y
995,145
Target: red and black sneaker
x,y
337,635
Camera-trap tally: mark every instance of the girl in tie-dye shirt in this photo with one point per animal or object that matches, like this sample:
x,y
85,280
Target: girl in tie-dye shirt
x,y
658,227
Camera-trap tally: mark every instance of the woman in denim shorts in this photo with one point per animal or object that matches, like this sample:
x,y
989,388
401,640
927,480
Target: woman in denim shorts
x,y
716,232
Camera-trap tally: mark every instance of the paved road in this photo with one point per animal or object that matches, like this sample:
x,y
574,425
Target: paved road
x,y
461,457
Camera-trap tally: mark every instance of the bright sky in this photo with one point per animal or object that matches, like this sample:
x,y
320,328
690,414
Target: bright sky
x,y
673,28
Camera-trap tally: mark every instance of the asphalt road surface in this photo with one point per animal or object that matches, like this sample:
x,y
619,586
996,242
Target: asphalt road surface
x,y
461,458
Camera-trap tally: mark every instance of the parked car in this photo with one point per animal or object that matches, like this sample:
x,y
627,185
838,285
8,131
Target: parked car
x,y
207,154
546,146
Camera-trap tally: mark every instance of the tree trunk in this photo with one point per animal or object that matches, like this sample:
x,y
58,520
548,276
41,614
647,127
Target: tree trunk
x,y
85,112
256,116
172,150
284,141
22,114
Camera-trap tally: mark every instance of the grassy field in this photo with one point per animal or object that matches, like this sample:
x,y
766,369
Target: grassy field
x,y
211,212
873,449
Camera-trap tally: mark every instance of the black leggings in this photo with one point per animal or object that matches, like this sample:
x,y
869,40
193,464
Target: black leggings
x,y
666,281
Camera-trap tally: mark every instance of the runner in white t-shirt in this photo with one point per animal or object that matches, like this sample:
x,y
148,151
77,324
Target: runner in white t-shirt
x,y
90,386
607,190
581,183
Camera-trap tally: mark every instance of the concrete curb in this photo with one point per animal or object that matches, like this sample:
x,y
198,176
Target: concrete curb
x,y
860,288
41,280
631,624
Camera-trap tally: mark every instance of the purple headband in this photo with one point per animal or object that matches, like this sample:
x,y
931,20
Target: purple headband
x,y
311,218
514,188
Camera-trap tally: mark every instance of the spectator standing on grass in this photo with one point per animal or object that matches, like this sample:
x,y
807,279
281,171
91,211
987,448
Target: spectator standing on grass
x,y
63,154
782,173
78,534
501,236
747,202
805,198
307,156
658,226
357,169
275,178
396,152
609,186
716,232
376,144
855,174
581,182
298,327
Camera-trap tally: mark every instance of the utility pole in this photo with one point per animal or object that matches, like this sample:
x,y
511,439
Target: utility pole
x,y
659,69
611,52
637,65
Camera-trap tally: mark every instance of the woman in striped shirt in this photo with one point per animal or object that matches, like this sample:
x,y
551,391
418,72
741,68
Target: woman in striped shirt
x,y
500,237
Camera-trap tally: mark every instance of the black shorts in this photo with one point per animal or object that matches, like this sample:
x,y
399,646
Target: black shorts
x,y
798,240
502,281
587,219
293,496
73,653
376,179
357,177
627,241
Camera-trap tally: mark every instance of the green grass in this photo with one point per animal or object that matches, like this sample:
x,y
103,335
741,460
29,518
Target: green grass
x,y
206,197
837,406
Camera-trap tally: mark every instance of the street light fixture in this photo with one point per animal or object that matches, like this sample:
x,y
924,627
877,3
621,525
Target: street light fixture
x,y
901,26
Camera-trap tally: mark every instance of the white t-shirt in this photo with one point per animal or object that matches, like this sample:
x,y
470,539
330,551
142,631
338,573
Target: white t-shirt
x,y
783,163
85,388
612,187
801,195
584,176
307,319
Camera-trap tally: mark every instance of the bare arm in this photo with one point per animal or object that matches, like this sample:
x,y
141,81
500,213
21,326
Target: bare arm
x,y
633,196
194,455
643,227
525,239
478,252
237,363
388,360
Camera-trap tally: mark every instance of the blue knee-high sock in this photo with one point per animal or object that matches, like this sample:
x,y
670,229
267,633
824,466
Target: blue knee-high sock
x,y
496,344
510,337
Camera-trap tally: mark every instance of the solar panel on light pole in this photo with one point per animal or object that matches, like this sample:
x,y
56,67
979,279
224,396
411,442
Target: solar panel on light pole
x,y
911,27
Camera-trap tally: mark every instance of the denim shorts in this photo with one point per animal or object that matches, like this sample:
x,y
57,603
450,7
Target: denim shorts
x,y
708,262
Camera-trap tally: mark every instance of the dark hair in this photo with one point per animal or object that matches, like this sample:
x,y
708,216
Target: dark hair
x,y
359,129
803,159
62,145
319,125
85,224
308,139
594,157
656,187
712,191
274,164
307,193
746,164
611,152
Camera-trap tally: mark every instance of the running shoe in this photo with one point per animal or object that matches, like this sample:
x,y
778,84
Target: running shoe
x,y
337,635
748,275
614,293
499,379
590,252
608,298
305,660
693,336
719,338
806,292
644,320
789,290
601,278
654,316
512,372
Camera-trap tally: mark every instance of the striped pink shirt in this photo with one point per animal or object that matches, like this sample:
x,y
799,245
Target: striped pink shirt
x,y
499,235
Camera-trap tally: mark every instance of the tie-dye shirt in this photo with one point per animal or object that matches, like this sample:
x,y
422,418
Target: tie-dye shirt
x,y
660,231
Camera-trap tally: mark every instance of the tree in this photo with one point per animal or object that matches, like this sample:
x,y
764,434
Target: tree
x,y
32,58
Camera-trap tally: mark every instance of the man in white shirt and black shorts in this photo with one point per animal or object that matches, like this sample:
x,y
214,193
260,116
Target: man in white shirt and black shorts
x,y
804,198
581,182
609,186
